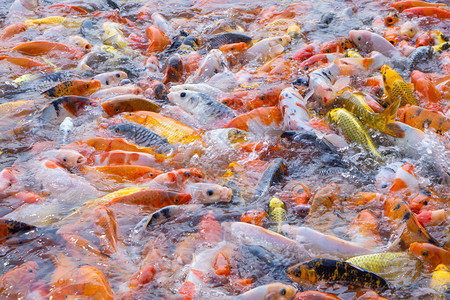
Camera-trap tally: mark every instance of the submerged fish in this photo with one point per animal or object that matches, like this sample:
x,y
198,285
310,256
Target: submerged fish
x,y
277,212
204,108
332,270
138,134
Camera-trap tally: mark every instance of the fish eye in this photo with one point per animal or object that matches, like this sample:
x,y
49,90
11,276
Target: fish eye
x,y
175,200
116,109
87,85
425,202
107,82
384,185
116,130
182,94
424,252
188,174
10,183
117,75
210,192
64,159
283,292
359,38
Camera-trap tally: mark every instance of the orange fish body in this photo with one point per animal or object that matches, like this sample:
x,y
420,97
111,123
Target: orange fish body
x,y
62,9
77,87
122,173
428,12
400,215
391,19
402,5
39,48
425,87
171,129
119,157
142,277
16,283
432,217
157,39
152,199
84,281
365,225
266,97
337,45
192,63
264,116
392,35
430,254
425,200
295,193
10,227
425,39
405,182
315,295
210,229
236,47
128,104
304,53
105,229
107,144
254,216
176,178
27,63
422,118
11,30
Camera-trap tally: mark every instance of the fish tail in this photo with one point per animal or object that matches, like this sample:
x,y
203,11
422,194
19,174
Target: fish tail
x,y
389,115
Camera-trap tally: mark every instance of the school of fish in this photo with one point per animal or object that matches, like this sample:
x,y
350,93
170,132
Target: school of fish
x,y
223,149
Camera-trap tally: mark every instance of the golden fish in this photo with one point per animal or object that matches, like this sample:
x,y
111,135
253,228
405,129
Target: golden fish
x,y
396,88
47,20
384,122
277,211
353,129
174,131
389,265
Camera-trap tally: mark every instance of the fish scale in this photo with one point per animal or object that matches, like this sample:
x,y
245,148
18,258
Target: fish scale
x,y
139,134
384,261
383,122
353,129
174,131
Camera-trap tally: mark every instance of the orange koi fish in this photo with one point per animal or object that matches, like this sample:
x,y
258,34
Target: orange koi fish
x,y
77,87
39,48
422,118
263,116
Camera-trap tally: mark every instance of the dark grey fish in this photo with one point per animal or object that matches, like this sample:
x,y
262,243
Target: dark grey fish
x,y
422,59
273,174
227,38
138,134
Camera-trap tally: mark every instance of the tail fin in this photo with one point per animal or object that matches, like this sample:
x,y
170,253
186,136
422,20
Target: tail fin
x,y
389,114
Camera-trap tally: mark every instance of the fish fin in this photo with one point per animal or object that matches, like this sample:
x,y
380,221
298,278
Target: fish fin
x,y
389,114
395,130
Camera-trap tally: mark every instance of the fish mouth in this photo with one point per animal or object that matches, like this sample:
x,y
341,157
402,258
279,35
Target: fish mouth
x,y
81,160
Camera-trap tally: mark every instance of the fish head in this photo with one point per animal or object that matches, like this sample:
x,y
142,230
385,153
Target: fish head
x,y
280,291
186,99
120,129
210,192
299,273
191,174
7,178
180,198
276,203
429,254
70,158
111,78
361,38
